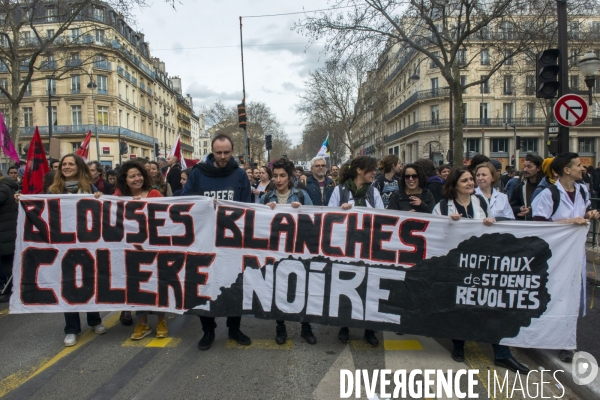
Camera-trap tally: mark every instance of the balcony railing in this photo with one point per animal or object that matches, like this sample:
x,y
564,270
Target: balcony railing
x,y
184,117
187,147
143,86
421,95
134,80
120,71
51,91
185,132
74,62
149,91
102,65
103,91
75,90
46,65
83,129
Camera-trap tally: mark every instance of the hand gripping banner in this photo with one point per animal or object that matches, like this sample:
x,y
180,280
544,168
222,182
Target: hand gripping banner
x,y
514,283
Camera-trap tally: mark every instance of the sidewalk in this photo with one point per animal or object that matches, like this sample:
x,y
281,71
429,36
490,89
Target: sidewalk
x,y
587,336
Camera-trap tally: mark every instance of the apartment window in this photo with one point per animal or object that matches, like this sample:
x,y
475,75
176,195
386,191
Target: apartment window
x,y
586,145
102,115
461,57
508,59
74,34
50,86
485,86
483,114
507,112
574,30
530,85
473,145
4,83
507,30
499,145
508,85
100,35
463,83
485,57
49,33
27,116
51,14
76,115
102,82
75,84
529,145
54,115
574,84
485,33
432,64
435,85
435,114
530,112
99,14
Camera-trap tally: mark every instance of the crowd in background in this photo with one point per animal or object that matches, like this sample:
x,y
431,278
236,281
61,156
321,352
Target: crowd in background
x,y
552,189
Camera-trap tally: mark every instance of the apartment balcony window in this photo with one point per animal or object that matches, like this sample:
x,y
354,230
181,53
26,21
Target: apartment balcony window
x,y
102,82
75,84
586,145
530,85
99,14
508,58
48,64
473,145
100,36
485,86
508,85
574,84
435,115
51,15
507,113
27,116
50,86
530,113
485,57
461,57
76,118
529,145
73,62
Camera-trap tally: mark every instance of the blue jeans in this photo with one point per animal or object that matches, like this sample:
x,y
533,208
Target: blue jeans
x,y
501,352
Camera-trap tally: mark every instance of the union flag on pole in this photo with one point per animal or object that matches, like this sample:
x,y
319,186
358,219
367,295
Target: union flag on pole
x,y
7,145
176,151
37,166
84,147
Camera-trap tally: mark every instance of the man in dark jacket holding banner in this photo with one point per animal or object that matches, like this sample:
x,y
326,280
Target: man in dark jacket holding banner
x,y
221,178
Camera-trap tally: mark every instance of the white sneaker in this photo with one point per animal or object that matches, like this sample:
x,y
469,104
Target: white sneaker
x,y
99,329
70,340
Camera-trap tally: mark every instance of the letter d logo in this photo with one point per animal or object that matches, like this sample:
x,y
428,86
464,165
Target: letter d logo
x,y
584,368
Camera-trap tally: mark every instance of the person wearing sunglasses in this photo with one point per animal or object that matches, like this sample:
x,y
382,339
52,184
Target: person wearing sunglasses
x,y
411,194
318,185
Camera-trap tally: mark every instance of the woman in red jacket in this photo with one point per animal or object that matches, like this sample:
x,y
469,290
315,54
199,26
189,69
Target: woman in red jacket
x,y
133,180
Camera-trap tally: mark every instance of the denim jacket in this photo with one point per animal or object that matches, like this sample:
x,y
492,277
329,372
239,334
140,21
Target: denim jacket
x,y
292,197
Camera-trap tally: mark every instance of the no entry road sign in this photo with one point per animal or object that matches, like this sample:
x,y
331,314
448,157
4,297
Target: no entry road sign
x,y
570,110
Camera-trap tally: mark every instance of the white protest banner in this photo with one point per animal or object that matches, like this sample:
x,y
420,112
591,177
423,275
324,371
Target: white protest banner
x,y
514,283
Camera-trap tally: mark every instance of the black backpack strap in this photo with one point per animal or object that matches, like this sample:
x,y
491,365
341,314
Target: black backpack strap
x,y
555,198
444,206
371,195
483,204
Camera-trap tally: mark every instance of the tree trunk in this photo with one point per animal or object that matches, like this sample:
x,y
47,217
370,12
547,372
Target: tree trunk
x,y
456,93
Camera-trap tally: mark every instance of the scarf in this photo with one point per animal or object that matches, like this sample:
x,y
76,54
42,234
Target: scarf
x,y
358,194
72,186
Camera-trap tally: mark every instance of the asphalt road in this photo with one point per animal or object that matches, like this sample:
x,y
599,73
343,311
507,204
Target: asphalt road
x,y
35,364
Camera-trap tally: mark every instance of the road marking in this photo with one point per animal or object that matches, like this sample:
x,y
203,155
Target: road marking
x,y
329,387
402,345
477,360
3,313
363,345
152,342
15,380
260,344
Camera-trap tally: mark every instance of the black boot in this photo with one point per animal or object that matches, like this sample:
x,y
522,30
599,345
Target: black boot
x,y
371,338
280,334
513,365
207,340
239,337
458,354
307,334
344,335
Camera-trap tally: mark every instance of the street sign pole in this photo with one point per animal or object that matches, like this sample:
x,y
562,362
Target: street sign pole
x,y
563,77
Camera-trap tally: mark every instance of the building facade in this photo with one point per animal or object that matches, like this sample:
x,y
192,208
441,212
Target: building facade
x,y
99,77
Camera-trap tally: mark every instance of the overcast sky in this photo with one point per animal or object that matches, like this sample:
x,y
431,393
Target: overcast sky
x,y
199,41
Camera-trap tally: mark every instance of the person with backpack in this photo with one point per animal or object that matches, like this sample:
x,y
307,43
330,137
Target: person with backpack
x,y
548,180
356,189
412,195
286,193
388,182
486,176
522,191
566,201
461,202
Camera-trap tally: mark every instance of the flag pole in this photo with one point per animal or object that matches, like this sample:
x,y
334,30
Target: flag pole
x,y
246,159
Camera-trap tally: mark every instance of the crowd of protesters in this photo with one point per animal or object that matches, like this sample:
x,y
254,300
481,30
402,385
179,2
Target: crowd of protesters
x,y
554,189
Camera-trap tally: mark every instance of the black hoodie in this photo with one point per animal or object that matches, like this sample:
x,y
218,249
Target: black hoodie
x,y
229,183
8,215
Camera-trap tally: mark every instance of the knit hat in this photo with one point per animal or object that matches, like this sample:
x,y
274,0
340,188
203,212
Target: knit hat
x,y
547,169
497,164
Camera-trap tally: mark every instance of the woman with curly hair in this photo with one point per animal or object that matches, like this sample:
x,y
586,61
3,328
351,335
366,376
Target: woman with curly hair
x,y
74,177
411,194
157,179
133,180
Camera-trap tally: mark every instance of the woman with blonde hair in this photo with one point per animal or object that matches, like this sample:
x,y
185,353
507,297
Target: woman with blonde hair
x,y
74,177
486,177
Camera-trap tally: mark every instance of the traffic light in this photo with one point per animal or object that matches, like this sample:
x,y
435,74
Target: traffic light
x,y
547,71
123,148
268,143
518,143
242,115
156,149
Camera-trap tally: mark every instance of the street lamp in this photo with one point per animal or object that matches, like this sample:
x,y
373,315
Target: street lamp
x,y
166,114
92,86
588,65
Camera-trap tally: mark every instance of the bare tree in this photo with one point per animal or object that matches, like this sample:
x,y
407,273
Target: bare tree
x,y
260,121
441,30
25,38
313,136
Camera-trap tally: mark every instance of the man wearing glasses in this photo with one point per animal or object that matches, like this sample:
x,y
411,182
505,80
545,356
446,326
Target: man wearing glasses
x,y
319,186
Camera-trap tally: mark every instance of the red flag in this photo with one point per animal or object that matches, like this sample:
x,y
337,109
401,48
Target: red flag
x,y
189,163
84,147
37,166
176,151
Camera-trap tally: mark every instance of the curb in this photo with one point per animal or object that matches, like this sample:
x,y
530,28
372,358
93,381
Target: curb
x,y
549,360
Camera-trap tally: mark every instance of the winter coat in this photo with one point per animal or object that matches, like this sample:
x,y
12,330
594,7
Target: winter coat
x,y
401,201
8,216
434,185
314,190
